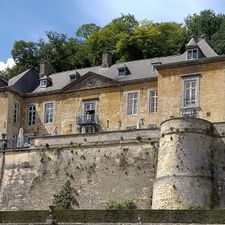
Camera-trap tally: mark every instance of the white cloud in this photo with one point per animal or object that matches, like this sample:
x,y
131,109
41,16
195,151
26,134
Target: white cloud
x,y
9,64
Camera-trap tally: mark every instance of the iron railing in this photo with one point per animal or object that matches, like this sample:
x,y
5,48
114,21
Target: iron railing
x,y
87,119
16,143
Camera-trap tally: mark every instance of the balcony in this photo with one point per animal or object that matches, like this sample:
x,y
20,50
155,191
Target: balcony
x,y
190,112
16,143
88,119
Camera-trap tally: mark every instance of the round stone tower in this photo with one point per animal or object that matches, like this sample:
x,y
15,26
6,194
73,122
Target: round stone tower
x,y
183,179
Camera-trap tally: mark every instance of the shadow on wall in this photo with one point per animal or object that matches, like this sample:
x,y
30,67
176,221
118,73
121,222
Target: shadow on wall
x,y
218,155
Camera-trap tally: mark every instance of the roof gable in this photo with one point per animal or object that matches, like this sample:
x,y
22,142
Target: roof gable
x,y
192,44
90,80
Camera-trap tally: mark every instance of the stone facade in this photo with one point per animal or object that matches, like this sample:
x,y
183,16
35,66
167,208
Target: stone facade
x,y
211,91
69,105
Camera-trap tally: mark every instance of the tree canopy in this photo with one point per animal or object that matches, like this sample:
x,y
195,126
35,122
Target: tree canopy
x,y
124,37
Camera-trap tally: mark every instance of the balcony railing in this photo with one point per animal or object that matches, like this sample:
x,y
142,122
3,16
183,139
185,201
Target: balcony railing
x,y
87,119
15,143
190,112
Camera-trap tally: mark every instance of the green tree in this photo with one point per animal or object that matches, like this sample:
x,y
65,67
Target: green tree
x,y
86,30
218,39
65,199
25,53
106,39
206,23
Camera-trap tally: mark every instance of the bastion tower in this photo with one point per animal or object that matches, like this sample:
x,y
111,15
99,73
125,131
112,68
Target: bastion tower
x,y
184,176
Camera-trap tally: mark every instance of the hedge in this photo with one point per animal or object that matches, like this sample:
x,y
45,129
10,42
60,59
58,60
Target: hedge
x,y
146,216
116,216
39,216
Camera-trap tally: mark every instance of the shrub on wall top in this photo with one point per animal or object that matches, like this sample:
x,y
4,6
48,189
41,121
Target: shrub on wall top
x,y
121,204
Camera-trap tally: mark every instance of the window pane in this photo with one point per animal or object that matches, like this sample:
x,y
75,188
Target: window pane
x,y
132,103
48,115
190,93
153,101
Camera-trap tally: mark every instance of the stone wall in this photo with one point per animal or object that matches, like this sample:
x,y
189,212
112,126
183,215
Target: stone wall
x,y
4,112
120,165
100,137
219,165
106,171
13,128
184,176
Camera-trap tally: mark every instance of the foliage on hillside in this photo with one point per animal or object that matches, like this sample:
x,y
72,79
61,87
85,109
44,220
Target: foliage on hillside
x,y
125,37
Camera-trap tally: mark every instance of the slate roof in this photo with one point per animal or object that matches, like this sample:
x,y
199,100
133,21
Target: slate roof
x,y
25,82
139,69
206,49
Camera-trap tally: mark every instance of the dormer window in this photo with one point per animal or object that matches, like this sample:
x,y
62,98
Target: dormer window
x,y
192,54
154,65
123,71
43,83
74,76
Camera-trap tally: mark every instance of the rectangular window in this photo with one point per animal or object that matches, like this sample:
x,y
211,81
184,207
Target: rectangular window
x,y
190,92
48,112
132,103
16,112
153,96
192,54
43,83
31,114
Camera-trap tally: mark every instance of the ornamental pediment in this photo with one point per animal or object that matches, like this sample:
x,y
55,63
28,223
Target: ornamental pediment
x,y
90,81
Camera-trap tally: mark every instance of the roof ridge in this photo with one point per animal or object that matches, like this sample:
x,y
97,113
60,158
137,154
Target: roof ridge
x,y
138,60
74,70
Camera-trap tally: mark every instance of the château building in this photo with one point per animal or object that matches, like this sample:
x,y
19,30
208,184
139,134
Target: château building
x,y
151,130
131,95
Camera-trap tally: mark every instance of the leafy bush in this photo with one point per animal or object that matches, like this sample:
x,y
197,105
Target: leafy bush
x,y
121,204
65,199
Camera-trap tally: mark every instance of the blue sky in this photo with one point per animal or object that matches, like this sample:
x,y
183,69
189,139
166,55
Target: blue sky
x,y
29,19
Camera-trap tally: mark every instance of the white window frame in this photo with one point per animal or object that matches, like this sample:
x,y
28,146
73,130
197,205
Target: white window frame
x,y
192,78
192,54
138,99
44,110
33,116
150,99
16,112
43,83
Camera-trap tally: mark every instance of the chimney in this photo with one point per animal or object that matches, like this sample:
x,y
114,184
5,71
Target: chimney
x,y
44,70
106,60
